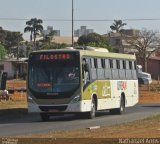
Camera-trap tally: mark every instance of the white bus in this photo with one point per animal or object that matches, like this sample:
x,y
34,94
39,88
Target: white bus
x,y
81,81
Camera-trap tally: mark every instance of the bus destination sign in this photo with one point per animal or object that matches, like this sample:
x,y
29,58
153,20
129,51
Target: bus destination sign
x,y
61,56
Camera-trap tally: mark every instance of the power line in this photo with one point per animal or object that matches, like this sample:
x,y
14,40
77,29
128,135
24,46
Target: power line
x,y
81,20
101,20
13,19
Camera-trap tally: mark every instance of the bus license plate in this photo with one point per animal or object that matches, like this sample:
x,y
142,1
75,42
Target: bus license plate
x,y
52,110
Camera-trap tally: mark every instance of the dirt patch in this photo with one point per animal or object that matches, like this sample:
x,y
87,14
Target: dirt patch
x,y
142,129
15,84
150,93
149,97
4,105
146,128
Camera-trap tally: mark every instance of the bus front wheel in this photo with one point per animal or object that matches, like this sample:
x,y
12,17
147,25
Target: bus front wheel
x,y
92,113
44,116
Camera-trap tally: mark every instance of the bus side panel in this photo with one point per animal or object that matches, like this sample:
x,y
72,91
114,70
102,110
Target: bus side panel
x,y
90,90
132,91
135,92
127,87
115,94
104,95
102,89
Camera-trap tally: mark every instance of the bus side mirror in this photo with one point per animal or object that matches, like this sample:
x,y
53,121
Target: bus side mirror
x,y
86,67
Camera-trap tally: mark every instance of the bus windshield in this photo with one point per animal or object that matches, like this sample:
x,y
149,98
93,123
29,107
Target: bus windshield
x,y
54,75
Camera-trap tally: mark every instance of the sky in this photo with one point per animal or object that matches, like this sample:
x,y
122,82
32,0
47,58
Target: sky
x,y
50,11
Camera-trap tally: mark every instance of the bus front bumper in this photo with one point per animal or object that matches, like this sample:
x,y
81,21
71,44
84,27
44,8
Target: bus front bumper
x,y
81,106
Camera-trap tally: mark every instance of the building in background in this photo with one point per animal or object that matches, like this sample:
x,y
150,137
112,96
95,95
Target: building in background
x,y
14,68
119,40
64,40
49,30
82,31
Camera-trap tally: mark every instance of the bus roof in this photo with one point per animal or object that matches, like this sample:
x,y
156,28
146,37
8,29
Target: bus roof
x,y
107,55
93,53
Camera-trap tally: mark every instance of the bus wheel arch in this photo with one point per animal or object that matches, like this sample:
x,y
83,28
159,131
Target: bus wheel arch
x,y
96,100
121,108
123,98
92,113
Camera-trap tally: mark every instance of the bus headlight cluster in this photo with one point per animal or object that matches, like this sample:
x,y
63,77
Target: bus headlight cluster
x,y
76,99
30,100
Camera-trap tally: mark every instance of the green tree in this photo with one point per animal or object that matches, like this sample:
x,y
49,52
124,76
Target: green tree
x,y
12,41
2,52
34,26
2,35
117,26
95,40
46,45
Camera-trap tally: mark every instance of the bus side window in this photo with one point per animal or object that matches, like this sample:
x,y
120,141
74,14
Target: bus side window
x,y
93,70
85,71
134,73
128,71
118,64
100,68
122,72
124,64
111,63
130,65
115,71
108,72
103,63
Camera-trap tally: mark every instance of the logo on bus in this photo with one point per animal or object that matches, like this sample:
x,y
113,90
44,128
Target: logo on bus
x,y
106,90
121,85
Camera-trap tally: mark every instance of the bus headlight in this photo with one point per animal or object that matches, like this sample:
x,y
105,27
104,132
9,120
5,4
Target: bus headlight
x,y
30,100
76,99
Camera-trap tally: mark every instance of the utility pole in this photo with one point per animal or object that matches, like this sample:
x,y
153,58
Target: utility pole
x,y
72,26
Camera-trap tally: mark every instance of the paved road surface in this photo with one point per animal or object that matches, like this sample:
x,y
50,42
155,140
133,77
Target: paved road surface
x,y
32,124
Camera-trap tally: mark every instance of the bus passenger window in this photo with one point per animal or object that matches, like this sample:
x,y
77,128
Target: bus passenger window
x,y
111,63
130,65
117,64
124,64
95,63
85,71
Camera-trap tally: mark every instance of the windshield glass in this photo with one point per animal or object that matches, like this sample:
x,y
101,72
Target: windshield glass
x,y
56,75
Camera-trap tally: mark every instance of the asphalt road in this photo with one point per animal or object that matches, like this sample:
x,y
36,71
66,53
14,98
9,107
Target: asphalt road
x,y
23,124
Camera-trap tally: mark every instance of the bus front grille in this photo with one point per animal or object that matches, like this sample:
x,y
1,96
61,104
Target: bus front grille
x,y
53,108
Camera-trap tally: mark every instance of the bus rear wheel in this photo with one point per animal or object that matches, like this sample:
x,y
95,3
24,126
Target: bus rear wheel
x,y
121,109
44,116
122,106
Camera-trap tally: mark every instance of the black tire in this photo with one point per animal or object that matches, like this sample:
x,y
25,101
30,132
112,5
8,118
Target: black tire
x,y
122,106
119,110
112,111
44,116
92,113
140,81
